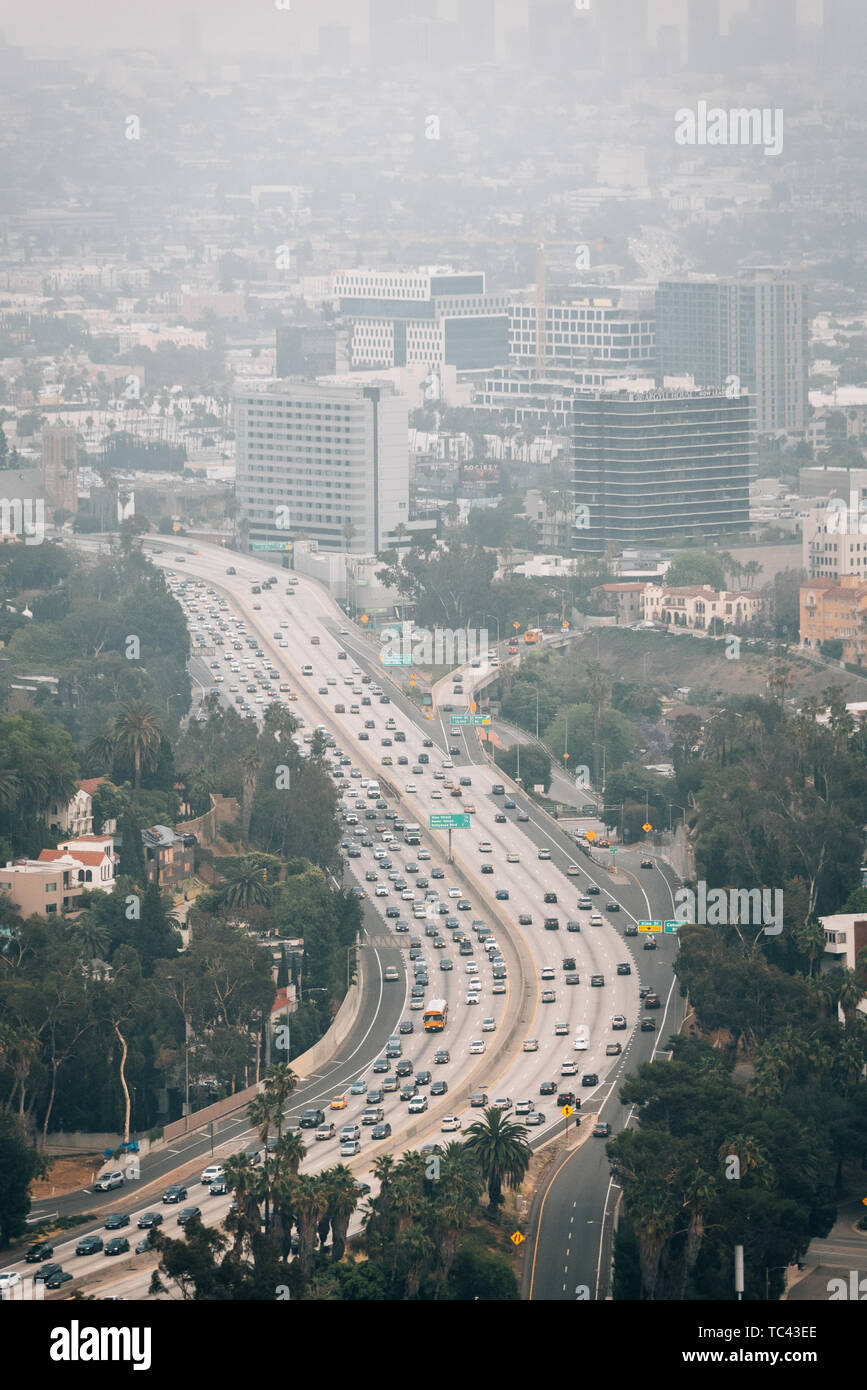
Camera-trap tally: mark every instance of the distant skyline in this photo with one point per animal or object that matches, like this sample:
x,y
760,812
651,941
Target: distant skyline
x,y
226,24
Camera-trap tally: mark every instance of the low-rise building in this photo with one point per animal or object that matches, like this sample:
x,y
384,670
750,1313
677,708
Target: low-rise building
x,y
698,606
832,611
168,856
56,880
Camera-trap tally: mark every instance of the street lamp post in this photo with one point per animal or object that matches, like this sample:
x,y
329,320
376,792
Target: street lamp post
x,y
679,807
178,695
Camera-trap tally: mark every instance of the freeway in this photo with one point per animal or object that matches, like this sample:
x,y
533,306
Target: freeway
x,y
524,1039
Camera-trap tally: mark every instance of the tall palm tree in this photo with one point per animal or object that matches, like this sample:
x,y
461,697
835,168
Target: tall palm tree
x,y
245,1222
309,1202
251,765
343,1199
279,1083
500,1148
455,1199
137,733
10,786
89,936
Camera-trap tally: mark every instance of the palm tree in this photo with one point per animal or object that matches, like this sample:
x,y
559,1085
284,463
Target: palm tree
x,y
251,765
500,1148
455,1199
246,887
260,1113
348,532
246,1221
309,1202
10,786
137,733
343,1199
89,936
279,1083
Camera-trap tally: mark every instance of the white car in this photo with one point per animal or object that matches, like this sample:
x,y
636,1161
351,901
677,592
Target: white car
x,y
436,794
213,1173
455,893
411,787
512,858
544,854
448,763
423,854
471,968
381,891
450,1124
9,1279
486,847
472,999
489,1025
477,1048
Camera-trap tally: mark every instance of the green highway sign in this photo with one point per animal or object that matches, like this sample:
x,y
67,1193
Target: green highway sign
x,y
481,719
401,659
460,719
271,545
447,821
588,809
671,926
651,926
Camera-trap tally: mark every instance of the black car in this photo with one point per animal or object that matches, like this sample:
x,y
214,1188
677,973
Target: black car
x,y
648,1025
594,889
601,1130
363,1189
374,1098
404,1068
175,1193
624,968
149,1219
652,1001
42,1251
550,898
500,819
118,1246
569,963
597,981
423,1078
187,1214
487,868
117,1221
612,906
590,1079
509,804
382,1131
442,1055
381,1064
44,1274
649,943
644,991
548,1088
407,1026
58,1279
407,1092
631,931
144,1245
439,1088
502,894
89,1245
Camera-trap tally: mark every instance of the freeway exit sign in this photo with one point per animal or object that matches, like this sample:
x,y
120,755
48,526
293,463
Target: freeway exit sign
x,y
671,926
651,926
450,821
271,545
397,659
481,719
460,719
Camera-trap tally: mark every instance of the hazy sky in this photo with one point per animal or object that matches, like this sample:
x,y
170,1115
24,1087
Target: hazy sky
x,y
228,23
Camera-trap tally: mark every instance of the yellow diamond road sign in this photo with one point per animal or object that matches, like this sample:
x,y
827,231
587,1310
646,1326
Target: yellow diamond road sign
x,y
647,826
472,706
516,1238
364,618
566,1110
591,835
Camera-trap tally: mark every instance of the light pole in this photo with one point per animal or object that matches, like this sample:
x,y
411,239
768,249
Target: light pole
x,y
679,807
602,785
497,621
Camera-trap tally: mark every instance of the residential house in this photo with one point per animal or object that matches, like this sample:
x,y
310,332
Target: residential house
x,y
168,856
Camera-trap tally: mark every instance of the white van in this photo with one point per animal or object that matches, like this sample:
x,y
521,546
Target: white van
x,y
307,670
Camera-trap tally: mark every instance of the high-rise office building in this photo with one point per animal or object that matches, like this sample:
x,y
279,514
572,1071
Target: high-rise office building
x,y
592,325
60,467
306,350
432,316
651,467
750,331
844,25
318,459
